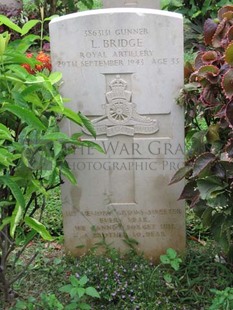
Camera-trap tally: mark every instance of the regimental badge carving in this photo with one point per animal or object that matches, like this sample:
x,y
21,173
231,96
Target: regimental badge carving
x,y
120,115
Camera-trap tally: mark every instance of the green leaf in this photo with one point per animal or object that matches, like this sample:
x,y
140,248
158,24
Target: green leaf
x,y
55,77
92,145
19,70
74,281
29,25
66,171
50,18
171,253
80,291
6,21
71,115
15,219
72,306
46,38
213,133
15,190
83,280
5,133
5,222
11,77
56,136
5,203
167,277
210,186
164,259
175,265
57,147
26,116
88,124
38,227
73,292
6,158
229,54
66,288
84,306
91,291
88,3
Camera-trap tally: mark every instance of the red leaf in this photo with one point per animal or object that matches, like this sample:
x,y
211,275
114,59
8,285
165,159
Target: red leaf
x,y
188,70
208,69
229,112
228,15
209,29
198,61
190,191
221,114
229,148
208,95
223,10
202,162
209,73
195,200
227,84
230,34
219,34
209,57
180,174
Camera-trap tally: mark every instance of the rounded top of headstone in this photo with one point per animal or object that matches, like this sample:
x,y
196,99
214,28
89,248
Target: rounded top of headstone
x,y
149,4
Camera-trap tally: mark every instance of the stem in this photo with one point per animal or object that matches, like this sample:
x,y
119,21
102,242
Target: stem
x,y
41,34
5,284
25,269
6,247
20,252
42,26
42,208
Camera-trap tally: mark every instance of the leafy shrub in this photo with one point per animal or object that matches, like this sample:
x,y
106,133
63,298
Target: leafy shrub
x,y
208,100
62,7
32,149
195,10
195,13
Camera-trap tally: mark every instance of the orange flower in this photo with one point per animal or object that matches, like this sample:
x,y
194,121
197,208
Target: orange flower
x,y
43,58
27,66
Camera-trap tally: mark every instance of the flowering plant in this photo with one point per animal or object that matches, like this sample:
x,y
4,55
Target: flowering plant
x,y
33,150
44,62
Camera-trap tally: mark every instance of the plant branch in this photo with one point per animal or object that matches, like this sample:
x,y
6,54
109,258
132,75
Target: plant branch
x,y
25,269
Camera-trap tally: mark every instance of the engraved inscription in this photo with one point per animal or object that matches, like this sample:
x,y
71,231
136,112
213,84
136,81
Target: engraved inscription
x,y
117,48
138,223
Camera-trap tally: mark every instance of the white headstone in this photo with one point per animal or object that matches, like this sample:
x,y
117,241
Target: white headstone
x,y
152,4
123,68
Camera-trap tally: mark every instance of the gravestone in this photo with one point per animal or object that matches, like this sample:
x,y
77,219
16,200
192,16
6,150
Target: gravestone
x,y
123,68
152,4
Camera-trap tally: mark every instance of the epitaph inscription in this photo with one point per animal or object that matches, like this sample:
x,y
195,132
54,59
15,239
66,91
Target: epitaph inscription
x,y
125,79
